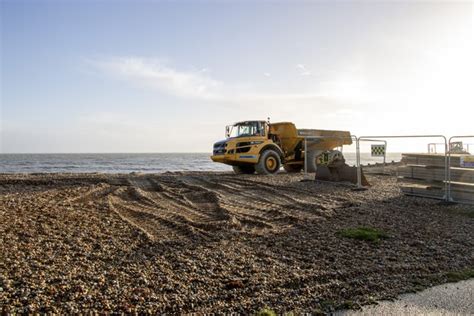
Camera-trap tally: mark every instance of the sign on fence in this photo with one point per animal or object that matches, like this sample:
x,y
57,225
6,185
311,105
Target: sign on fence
x,y
378,150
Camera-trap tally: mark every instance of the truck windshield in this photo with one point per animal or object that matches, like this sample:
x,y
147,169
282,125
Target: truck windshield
x,y
246,129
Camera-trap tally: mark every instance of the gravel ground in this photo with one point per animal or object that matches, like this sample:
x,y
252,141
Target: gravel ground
x,y
217,242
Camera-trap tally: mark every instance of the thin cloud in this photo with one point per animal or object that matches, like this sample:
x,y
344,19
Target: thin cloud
x,y
196,84
155,73
303,70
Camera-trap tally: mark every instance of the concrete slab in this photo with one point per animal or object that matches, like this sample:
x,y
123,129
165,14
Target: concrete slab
x,y
447,299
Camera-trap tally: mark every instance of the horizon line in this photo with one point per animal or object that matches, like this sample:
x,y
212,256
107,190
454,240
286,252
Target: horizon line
x,y
137,152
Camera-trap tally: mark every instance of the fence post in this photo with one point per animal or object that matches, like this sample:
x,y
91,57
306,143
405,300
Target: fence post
x,y
447,170
306,177
359,172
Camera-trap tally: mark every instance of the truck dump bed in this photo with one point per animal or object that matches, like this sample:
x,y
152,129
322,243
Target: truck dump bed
x,y
329,138
290,137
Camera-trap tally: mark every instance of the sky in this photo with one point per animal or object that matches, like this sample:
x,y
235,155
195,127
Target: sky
x,y
159,76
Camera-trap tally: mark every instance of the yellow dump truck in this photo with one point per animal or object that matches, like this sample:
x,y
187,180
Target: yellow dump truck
x,y
263,147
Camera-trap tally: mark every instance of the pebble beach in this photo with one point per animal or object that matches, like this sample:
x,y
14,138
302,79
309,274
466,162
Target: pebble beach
x,y
203,242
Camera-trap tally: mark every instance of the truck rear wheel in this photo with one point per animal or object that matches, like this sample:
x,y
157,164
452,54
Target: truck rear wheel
x,y
244,169
293,168
269,162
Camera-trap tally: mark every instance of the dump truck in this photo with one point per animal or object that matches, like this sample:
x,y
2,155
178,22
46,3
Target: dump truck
x,y
263,147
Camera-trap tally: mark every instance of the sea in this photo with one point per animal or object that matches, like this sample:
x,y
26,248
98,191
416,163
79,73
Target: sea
x,y
136,162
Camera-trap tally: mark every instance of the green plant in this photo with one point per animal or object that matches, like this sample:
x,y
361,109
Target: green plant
x,y
468,213
364,233
348,304
460,275
265,312
327,305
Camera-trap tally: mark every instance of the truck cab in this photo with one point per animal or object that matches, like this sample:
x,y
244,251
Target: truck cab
x,y
243,143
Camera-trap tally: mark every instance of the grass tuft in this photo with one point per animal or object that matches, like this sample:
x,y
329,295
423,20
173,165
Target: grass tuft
x,y
364,233
265,312
460,275
468,212
327,304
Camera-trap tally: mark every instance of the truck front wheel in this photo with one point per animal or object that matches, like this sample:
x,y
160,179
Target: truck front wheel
x,y
269,162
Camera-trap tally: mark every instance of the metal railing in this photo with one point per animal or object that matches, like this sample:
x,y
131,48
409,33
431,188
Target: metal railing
x,y
448,181
382,138
379,141
446,189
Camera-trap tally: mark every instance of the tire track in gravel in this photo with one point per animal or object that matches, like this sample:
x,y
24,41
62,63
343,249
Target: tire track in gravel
x,y
194,207
175,207
168,209
156,225
97,192
303,194
275,193
212,204
251,213
262,200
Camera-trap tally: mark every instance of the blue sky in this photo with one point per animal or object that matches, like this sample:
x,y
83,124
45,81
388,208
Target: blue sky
x,y
150,76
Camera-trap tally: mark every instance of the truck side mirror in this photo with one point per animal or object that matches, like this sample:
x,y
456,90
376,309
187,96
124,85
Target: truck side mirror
x,y
227,132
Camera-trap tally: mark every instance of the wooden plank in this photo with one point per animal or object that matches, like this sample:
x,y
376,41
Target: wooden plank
x,y
438,185
431,173
434,192
431,159
432,154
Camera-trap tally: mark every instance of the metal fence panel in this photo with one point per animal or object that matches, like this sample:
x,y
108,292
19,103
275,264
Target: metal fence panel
x,y
362,138
449,180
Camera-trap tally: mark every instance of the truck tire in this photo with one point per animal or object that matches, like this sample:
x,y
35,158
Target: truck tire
x,y
269,162
292,168
244,169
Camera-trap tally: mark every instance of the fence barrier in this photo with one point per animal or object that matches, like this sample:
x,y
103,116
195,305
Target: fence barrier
x,y
385,146
449,168
447,196
446,190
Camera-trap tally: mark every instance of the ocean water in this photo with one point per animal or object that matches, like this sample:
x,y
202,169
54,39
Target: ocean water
x,y
126,163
